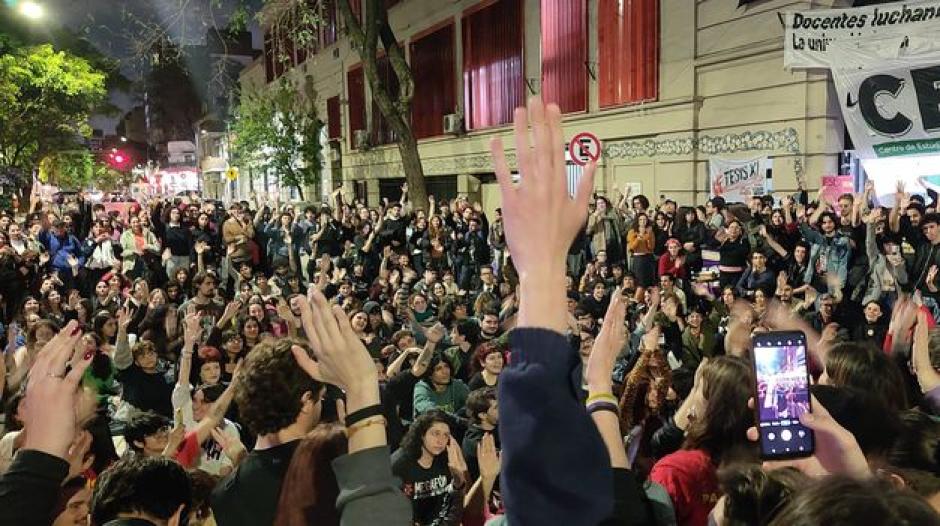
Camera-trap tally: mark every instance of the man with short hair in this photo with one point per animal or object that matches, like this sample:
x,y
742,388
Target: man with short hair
x,y
483,410
489,326
926,256
141,491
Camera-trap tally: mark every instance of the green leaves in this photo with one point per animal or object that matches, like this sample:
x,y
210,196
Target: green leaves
x,y
46,97
279,129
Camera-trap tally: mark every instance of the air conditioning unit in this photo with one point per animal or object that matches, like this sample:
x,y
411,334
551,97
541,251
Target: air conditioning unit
x,y
453,124
361,140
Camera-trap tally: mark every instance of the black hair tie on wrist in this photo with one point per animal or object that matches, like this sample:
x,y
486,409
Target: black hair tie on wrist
x,y
364,413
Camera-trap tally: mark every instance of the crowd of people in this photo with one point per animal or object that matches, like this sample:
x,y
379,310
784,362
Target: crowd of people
x,y
569,360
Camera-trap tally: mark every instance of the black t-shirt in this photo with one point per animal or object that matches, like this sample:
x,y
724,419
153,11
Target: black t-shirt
x,y
249,495
429,490
401,388
146,391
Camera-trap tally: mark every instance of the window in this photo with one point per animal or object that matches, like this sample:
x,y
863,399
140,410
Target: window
x,y
334,127
432,63
329,22
357,102
492,63
381,132
564,53
628,41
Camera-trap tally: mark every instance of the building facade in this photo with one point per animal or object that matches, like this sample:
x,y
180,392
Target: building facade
x,y
665,84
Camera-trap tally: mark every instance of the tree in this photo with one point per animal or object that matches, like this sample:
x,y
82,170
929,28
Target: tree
x,y
395,107
280,129
46,97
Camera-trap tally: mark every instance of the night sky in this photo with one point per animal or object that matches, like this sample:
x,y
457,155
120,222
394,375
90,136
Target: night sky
x,y
114,25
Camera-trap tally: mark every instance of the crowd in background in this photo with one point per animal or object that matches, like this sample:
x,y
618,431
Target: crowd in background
x,y
578,361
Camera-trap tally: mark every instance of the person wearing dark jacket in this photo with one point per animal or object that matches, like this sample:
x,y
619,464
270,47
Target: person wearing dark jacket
x,y
483,411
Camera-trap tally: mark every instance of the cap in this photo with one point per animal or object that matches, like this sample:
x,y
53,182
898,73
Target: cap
x,y
371,307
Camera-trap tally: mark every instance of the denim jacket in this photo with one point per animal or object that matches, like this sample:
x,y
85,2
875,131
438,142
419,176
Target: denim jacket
x,y
837,250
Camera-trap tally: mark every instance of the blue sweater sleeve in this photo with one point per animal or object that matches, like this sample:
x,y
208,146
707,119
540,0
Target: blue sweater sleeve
x,y
555,467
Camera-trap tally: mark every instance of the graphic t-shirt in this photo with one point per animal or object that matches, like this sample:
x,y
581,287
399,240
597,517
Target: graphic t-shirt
x,y
428,489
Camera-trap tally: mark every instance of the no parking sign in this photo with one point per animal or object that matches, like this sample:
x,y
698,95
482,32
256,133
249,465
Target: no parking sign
x,y
584,148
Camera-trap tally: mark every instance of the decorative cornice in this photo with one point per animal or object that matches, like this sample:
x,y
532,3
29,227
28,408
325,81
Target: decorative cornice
x,y
787,140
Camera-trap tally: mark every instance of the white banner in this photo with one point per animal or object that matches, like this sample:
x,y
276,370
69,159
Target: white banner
x,y
738,181
891,106
810,35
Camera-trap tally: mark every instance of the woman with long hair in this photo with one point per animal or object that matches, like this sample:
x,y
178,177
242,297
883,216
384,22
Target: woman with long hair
x,y
641,242
310,488
719,418
432,470
690,232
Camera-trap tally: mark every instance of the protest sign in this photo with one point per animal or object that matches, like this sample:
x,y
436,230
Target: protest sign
x,y
834,186
810,35
738,180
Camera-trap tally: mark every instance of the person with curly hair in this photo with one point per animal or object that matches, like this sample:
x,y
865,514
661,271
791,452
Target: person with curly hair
x,y
280,404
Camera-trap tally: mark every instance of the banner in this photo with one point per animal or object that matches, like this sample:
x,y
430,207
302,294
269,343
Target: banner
x,y
891,106
834,186
738,181
810,35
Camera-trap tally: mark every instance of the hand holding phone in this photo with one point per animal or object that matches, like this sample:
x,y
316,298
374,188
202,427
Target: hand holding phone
x,y
781,395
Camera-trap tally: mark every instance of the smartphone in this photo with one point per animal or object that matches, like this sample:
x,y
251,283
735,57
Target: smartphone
x,y
781,394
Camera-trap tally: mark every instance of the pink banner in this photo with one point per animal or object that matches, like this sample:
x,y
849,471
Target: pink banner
x,y
835,185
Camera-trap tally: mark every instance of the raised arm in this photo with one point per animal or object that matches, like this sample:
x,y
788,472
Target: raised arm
x,y
771,242
901,201
434,335
122,350
539,375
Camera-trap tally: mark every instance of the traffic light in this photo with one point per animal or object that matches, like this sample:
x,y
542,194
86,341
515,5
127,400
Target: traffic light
x,y
118,159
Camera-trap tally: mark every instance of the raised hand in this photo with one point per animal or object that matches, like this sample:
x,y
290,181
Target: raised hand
x,y
488,457
124,316
341,358
435,334
539,243
232,446
607,346
456,463
78,458
192,326
927,376
52,392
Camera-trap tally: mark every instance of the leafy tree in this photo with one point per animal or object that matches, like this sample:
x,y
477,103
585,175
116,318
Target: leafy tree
x,y
46,97
280,129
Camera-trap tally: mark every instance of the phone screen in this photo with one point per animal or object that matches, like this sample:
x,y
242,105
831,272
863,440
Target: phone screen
x,y
782,394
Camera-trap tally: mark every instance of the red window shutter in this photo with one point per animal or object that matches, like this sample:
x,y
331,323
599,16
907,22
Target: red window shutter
x,y
381,133
432,63
564,53
329,22
357,102
356,6
334,127
628,41
268,56
493,63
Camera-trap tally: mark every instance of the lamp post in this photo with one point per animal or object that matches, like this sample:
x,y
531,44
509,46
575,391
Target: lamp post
x,y
31,10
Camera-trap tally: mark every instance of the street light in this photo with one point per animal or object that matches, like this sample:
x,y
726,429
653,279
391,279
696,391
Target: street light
x,y
31,10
